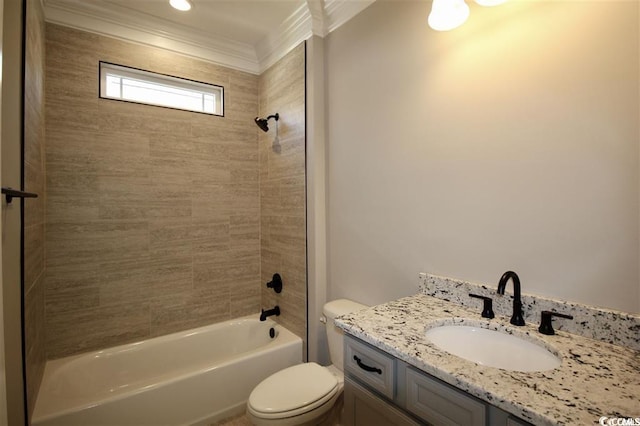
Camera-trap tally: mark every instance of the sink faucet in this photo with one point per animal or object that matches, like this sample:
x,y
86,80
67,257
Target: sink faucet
x,y
516,318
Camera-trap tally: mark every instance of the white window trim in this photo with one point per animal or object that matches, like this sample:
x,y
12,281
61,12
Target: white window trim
x,y
161,79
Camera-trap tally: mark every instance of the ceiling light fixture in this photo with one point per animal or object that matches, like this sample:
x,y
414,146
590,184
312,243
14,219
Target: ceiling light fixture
x,y
448,14
182,5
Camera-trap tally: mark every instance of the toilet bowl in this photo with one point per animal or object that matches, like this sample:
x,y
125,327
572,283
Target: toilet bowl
x,y
305,394
296,395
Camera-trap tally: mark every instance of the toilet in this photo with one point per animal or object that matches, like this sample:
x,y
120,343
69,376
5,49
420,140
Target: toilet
x,y
305,394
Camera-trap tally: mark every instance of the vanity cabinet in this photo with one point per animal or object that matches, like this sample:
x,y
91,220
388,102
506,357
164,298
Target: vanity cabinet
x,y
370,387
363,407
439,403
383,390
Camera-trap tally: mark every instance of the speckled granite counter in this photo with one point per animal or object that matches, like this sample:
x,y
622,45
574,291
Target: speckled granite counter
x,y
595,379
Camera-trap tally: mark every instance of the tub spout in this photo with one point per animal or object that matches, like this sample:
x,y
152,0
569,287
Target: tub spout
x,y
269,312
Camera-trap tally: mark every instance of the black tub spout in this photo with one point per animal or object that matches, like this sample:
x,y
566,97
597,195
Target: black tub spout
x,y
269,312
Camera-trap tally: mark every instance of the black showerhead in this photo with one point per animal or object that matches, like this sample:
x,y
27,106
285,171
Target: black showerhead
x,y
262,122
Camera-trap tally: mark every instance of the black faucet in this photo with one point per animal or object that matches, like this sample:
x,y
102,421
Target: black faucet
x,y
516,318
264,314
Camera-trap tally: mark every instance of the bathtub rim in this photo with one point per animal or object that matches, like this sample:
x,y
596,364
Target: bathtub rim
x,y
285,337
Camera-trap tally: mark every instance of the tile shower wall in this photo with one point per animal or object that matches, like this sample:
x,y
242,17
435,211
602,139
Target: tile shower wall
x,y
34,138
153,214
282,189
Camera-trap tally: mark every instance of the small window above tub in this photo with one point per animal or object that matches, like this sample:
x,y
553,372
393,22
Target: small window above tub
x,y
145,87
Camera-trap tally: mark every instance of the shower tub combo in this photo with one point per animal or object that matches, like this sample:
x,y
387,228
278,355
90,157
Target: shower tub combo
x,y
193,377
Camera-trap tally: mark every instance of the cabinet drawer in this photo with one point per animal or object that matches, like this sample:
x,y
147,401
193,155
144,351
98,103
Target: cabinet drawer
x,y
371,366
440,404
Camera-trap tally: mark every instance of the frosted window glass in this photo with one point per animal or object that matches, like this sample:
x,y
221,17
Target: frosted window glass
x,y
130,84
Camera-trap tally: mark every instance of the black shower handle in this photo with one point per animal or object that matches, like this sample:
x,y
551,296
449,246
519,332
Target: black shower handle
x,y
275,283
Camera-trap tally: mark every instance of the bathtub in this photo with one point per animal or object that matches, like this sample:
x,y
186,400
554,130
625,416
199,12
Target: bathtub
x,y
193,377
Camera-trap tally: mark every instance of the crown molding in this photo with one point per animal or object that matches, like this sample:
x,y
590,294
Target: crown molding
x,y
318,20
129,25
338,12
293,31
313,17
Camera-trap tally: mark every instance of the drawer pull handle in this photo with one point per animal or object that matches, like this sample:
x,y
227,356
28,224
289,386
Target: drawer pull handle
x,y
365,367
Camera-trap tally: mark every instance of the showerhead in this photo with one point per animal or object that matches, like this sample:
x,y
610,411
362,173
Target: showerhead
x,y
263,122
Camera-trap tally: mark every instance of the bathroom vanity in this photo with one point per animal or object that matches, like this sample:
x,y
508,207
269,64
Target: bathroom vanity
x,y
383,390
395,375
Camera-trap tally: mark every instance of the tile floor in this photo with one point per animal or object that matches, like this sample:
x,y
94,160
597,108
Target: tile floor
x,y
240,420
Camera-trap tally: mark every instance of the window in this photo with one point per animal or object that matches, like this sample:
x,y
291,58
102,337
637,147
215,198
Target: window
x,y
134,85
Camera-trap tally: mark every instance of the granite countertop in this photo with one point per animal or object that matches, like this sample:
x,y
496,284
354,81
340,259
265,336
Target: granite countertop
x,y
595,379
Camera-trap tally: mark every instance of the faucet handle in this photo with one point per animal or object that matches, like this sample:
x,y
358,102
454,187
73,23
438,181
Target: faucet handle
x,y
545,321
275,283
487,310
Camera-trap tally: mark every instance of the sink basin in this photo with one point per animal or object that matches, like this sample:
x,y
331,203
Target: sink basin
x,y
492,348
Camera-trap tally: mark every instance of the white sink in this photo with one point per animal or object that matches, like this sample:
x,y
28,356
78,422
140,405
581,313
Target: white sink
x,y
492,348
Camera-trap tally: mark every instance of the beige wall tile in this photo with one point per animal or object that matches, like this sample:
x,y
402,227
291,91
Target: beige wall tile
x,y
160,220
124,281
190,309
35,356
243,304
74,292
141,198
71,113
244,229
34,182
282,189
171,273
33,254
70,208
93,328
34,220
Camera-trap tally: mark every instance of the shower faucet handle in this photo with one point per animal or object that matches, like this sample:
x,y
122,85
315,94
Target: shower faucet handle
x,y
275,283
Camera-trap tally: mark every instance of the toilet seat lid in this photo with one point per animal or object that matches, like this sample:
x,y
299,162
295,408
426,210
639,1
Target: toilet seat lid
x,y
293,388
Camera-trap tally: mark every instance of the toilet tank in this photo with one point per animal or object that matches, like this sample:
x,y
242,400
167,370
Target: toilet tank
x,y
334,334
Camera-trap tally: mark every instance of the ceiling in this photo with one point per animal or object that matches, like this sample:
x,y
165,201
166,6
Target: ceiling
x,y
249,35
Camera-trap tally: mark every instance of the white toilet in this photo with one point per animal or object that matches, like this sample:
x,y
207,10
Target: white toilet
x,y
305,393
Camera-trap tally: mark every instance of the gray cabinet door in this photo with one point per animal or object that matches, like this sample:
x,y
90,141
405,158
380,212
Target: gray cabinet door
x,y
363,408
440,404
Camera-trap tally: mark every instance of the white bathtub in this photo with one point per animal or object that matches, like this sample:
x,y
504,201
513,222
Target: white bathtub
x,y
193,377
